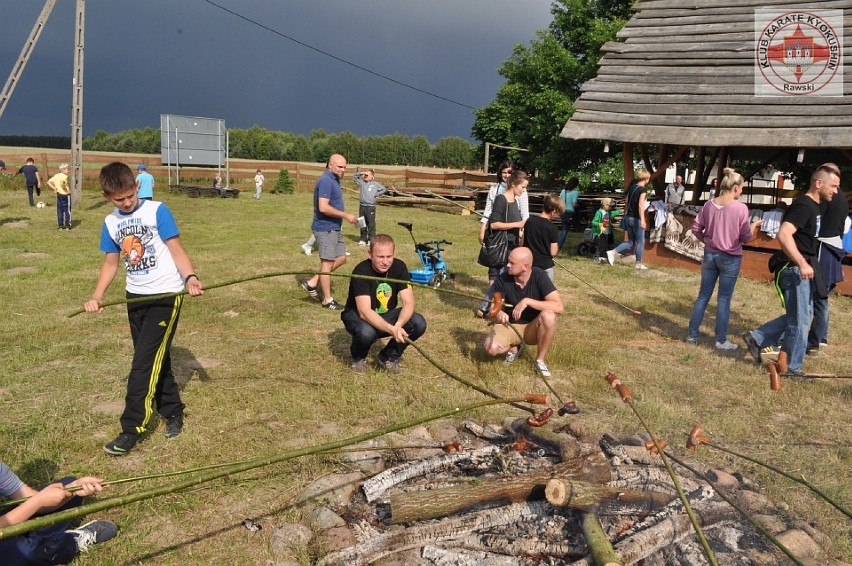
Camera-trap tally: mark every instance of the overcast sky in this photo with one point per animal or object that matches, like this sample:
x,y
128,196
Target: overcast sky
x,y
144,58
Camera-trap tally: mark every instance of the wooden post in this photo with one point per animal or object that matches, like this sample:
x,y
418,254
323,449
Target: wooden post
x,y
627,163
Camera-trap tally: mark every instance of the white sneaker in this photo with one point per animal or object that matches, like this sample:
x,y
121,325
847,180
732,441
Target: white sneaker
x,y
307,249
511,356
726,345
542,368
641,266
610,257
362,243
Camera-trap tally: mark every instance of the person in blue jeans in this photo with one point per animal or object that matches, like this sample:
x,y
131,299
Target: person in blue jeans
x,y
569,196
723,226
797,275
634,220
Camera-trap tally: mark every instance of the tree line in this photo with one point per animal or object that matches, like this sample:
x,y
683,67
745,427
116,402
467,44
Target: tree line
x,y
260,143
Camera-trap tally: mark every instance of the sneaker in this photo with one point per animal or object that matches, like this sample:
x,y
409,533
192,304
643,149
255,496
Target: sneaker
x,y
691,340
362,243
391,366
359,366
307,249
122,444
94,532
770,353
542,368
726,345
333,305
312,291
610,257
811,351
174,426
348,254
753,347
823,344
511,356
641,266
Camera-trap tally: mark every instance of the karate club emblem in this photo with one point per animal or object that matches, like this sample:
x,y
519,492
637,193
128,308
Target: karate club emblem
x,y
799,53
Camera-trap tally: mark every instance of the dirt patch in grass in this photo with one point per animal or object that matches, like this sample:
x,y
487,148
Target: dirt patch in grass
x,y
19,270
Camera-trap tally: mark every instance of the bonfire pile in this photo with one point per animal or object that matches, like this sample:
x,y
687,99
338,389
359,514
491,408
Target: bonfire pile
x,y
514,495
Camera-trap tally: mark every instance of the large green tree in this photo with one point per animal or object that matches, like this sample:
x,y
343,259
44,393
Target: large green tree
x,y
542,81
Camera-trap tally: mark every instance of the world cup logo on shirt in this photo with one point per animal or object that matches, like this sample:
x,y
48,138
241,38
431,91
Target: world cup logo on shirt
x,y
383,294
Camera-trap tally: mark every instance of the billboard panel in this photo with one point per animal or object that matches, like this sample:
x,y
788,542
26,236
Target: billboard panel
x,y
190,140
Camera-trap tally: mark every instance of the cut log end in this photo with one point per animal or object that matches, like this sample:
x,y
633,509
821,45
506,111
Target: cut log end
x,y
556,493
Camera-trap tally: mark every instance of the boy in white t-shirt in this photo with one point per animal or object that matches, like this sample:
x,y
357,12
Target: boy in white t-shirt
x,y
144,235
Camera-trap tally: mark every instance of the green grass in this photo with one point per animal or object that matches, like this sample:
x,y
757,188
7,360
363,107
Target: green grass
x,y
266,370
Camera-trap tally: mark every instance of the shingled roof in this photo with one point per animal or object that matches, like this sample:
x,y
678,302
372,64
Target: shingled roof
x,y
685,75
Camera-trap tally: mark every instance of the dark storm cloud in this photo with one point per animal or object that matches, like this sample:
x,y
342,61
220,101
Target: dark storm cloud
x,y
144,58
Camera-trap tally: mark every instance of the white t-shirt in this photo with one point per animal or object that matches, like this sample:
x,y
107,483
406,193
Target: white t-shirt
x,y
140,240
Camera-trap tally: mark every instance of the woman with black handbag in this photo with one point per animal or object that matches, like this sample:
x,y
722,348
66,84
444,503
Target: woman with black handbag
x,y
503,233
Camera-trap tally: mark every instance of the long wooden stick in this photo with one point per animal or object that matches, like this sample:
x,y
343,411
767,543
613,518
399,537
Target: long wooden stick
x,y
599,546
279,274
104,504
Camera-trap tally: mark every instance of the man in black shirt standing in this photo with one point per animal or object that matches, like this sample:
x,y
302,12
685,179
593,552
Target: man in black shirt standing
x,y
797,275
534,305
371,310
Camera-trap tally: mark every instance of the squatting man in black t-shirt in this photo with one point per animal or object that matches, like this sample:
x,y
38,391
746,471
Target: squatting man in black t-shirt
x,y
535,304
371,310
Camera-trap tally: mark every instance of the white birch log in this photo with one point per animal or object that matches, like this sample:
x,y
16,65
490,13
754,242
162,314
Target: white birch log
x,y
377,485
453,557
370,550
520,547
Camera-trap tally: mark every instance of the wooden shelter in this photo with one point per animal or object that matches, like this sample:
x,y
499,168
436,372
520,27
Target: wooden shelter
x,y
702,78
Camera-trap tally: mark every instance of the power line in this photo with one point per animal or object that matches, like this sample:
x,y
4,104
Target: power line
x,y
336,58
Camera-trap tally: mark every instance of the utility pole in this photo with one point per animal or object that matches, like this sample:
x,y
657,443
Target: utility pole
x,y
77,104
21,63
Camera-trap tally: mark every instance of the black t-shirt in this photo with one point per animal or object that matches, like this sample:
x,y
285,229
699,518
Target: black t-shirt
x,y
505,211
538,287
539,234
804,215
383,294
633,194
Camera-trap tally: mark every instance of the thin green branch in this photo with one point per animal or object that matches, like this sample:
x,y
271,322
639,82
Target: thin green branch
x,y
110,503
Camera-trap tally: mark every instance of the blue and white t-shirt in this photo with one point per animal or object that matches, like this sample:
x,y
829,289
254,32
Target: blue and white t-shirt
x,y
140,240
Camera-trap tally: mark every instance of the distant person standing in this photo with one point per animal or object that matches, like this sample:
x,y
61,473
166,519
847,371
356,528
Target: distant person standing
x,y
258,184
541,235
30,173
217,185
674,192
370,189
144,183
635,223
2,165
329,214
59,184
569,195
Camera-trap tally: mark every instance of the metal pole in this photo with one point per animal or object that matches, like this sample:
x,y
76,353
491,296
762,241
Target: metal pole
x,y
487,148
77,105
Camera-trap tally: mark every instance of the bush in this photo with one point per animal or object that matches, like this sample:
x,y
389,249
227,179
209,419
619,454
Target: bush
x,y
283,184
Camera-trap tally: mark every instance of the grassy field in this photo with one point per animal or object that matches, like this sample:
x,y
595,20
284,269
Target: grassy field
x,y
265,370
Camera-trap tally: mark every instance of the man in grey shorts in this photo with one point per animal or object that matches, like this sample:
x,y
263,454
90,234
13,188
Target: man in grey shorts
x,y
329,214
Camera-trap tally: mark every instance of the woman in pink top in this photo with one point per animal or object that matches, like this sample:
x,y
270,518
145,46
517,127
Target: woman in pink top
x,y
723,227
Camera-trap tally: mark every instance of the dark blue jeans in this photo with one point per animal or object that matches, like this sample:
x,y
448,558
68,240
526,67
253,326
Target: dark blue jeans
x,y
44,546
567,223
793,326
722,267
363,334
635,238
